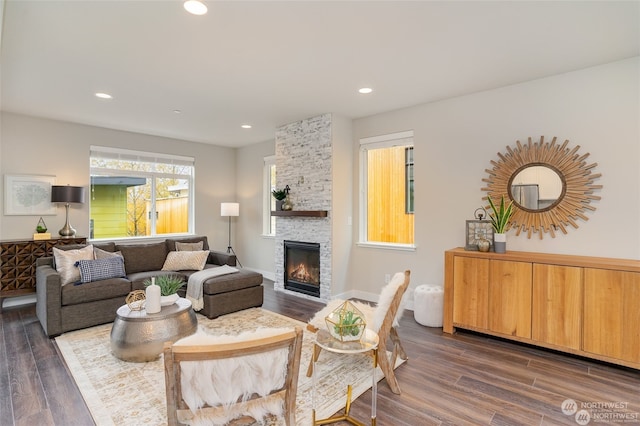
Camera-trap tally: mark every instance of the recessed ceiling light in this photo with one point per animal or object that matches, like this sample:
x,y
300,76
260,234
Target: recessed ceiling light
x,y
102,95
246,126
195,7
365,90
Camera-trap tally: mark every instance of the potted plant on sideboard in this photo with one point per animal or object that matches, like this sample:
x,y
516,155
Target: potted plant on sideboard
x,y
500,220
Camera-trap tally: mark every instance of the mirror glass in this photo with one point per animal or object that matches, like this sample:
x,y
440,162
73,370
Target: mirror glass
x,y
536,188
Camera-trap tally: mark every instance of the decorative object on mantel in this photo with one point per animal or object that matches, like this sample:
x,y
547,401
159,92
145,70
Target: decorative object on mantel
x,y
551,185
67,195
479,232
287,205
500,221
279,195
346,323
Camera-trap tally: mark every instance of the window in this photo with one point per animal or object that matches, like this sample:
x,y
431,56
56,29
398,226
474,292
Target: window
x,y
269,203
138,194
408,154
387,190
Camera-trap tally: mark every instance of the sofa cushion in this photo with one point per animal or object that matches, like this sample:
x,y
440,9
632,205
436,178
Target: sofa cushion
x,y
138,278
109,246
101,269
65,261
171,242
185,260
104,254
143,257
189,246
94,291
230,282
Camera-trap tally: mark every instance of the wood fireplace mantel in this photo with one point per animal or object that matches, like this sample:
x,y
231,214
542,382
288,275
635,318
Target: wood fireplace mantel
x,y
299,213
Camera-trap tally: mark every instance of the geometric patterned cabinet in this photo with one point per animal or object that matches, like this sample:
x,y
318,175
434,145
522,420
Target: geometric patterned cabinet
x,y
18,263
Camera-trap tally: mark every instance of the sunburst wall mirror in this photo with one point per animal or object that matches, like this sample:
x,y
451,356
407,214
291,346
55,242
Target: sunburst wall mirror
x,y
551,185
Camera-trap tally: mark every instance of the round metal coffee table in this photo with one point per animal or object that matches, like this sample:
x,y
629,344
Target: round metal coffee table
x,y
139,337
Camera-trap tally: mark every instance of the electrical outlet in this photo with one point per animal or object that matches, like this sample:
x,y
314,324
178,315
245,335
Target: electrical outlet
x,y
387,278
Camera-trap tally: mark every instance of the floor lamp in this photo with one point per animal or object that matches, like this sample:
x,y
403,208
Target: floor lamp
x,y
230,209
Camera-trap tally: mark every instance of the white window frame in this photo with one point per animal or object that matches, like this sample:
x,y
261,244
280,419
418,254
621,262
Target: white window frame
x,y
404,138
268,230
127,154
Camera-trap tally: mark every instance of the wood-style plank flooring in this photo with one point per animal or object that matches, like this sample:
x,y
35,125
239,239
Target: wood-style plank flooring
x,y
464,379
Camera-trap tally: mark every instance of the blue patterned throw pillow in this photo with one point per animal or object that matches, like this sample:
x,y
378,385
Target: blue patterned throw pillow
x,y
101,269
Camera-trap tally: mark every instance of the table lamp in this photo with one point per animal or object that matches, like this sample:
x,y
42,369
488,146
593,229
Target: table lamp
x,y
67,195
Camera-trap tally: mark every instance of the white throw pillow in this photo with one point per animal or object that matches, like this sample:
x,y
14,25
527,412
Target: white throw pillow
x,y
66,260
185,260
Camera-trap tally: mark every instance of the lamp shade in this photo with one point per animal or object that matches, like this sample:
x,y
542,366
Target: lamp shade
x,y
229,209
67,194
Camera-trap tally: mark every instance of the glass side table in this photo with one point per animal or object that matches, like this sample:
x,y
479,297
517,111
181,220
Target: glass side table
x,y
367,343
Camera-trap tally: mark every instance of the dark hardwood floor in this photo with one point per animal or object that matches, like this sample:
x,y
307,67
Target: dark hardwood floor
x,y
464,379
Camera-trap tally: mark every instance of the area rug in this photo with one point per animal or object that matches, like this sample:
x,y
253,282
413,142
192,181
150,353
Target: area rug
x,y
124,393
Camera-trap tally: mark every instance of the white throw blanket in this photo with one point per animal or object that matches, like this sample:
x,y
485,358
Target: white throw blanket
x,y
194,285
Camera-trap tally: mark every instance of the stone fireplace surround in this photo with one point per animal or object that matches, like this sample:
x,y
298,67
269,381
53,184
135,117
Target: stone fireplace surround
x,y
304,162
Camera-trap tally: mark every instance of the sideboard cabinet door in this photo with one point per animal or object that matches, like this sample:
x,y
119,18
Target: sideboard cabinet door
x,y
510,298
471,292
612,314
557,305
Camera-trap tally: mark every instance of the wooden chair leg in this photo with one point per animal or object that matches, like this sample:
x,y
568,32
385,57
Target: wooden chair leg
x,y
397,344
314,358
387,369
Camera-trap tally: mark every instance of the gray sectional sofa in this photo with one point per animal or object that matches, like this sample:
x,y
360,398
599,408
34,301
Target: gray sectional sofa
x,y
61,308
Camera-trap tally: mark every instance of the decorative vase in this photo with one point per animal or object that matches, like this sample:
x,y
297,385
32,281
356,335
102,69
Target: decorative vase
x,y
279,204
346,323
500,243
152,298
287,204
169,300
483,245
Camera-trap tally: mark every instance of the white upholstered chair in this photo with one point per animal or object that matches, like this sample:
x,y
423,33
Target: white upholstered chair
x,y
227,379
381,318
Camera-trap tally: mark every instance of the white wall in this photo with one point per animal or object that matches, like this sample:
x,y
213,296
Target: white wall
x,y
39,146
341,204
253,248
455,139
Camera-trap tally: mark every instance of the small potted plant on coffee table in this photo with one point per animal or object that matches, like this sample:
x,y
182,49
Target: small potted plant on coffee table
x,y
169,286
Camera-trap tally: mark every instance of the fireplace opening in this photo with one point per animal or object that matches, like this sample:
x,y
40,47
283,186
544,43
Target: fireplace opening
x,y
302,267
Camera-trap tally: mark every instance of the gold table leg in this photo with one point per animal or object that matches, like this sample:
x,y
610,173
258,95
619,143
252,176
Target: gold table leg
x,y
342,417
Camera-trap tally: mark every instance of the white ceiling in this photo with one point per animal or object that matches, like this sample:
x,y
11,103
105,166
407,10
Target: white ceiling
x,y
270,63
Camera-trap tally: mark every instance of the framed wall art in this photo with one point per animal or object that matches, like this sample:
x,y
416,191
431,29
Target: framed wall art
x,y
28,195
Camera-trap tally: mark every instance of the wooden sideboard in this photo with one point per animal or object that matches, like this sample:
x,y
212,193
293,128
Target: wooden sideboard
x,y
588,306
18,263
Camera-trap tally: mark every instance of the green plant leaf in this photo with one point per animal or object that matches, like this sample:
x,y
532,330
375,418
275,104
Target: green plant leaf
x,y
500,216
